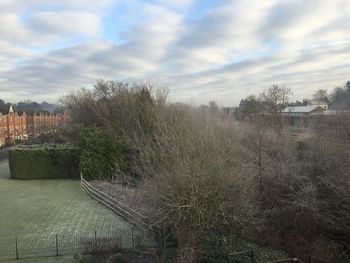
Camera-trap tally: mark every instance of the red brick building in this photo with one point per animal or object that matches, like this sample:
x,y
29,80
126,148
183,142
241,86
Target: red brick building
x,y
21,127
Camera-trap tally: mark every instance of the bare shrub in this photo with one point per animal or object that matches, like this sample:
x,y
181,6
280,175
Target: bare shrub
x,y
203,177
302,190
193,174
102,246
134,197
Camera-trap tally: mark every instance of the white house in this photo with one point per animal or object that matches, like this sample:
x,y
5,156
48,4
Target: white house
x,y
321,102
302,110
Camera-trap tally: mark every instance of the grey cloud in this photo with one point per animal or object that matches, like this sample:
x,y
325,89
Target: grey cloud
x,y
222,56
283,15
208,31
65,23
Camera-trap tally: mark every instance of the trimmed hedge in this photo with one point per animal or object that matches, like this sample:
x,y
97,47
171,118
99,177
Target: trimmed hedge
x,y
102,156
44,162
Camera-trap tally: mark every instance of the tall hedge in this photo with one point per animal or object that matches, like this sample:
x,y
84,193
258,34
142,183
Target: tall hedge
x,y
102,156
44,162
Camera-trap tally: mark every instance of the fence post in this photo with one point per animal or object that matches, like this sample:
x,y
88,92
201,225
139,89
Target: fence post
x,y
252,256
56,246
95,239
309,259
16,249
132,237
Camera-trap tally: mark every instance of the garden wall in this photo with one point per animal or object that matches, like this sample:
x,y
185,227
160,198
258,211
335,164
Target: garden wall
x,y
44,162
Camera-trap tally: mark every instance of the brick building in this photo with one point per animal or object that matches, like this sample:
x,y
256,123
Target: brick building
x,y
21,127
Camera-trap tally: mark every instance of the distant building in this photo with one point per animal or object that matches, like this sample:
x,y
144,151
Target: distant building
x,y
21,127
302,111
321,102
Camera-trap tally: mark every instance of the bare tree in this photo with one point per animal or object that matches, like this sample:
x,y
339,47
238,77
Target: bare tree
x,y
204,176
320,94
193,176
275,99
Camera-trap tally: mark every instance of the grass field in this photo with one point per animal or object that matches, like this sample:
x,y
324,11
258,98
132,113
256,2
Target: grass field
x,y
44,208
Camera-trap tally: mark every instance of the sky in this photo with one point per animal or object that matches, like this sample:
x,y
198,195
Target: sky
x,y
202,50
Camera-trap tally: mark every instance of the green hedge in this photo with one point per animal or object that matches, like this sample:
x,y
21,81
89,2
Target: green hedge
x,y
44,162
102,157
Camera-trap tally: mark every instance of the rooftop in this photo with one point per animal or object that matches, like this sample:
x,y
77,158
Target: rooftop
x,y
299,109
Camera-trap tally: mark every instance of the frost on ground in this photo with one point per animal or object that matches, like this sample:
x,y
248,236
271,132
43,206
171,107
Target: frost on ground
x,y
40,209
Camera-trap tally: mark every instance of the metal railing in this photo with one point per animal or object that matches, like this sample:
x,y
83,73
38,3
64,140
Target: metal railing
x,y
34,246
127,213
139,220
43,245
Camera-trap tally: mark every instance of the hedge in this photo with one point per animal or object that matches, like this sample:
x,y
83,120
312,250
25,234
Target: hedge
x,y
102,156
44,162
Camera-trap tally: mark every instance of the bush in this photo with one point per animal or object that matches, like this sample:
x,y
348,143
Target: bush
x,y
222,247
102,246
102,156
44,162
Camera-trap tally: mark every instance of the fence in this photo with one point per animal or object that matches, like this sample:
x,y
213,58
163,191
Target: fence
x,y
70,244
46,245
127,213
140,221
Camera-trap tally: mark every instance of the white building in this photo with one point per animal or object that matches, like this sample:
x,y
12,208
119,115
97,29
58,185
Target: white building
x,y
301,111
323,103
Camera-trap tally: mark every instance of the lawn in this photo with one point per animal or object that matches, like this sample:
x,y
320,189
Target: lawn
x,y
35,211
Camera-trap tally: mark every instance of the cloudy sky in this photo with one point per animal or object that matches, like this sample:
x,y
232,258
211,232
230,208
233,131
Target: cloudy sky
x,y
201,49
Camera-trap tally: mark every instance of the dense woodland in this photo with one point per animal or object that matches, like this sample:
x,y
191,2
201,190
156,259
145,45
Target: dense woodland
x,y
218,184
